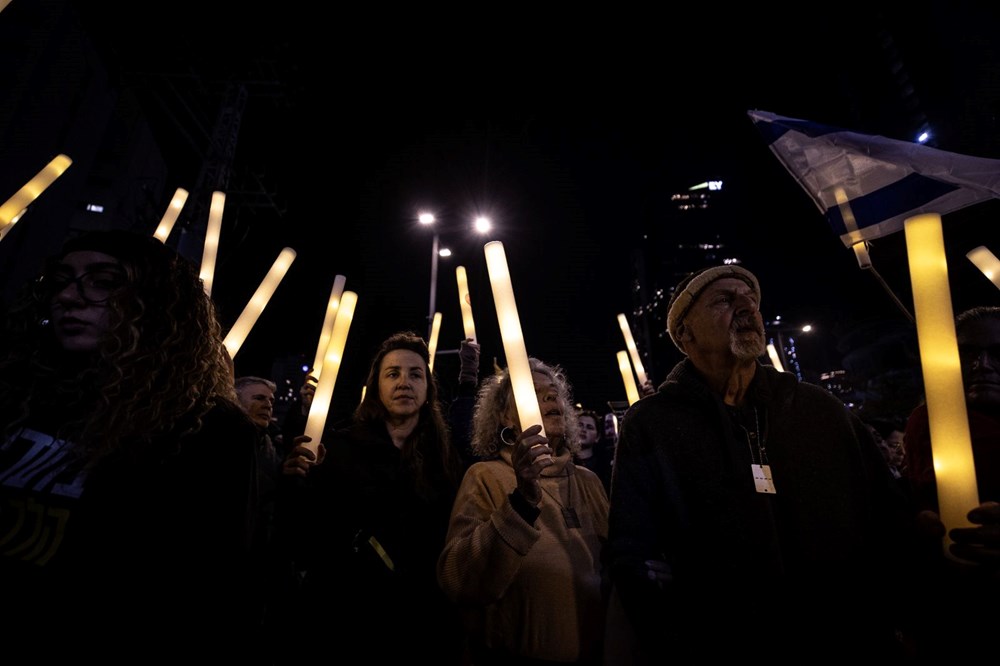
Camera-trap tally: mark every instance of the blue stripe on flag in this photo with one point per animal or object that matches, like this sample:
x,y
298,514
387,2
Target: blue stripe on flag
x,y
908,193
889,180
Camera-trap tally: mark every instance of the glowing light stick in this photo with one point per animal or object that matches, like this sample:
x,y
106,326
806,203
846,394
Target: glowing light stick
x,y
951,443
170,216
986,262
238,333
320,407
640,372
465,302
631,390
522,383
14,207
772,353
332,306
212,234
432,344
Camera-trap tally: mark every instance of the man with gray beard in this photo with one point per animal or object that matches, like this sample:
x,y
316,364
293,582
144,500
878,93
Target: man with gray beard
x,y
752,515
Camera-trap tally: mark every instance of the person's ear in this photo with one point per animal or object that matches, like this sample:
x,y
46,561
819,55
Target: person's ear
x,y
683,334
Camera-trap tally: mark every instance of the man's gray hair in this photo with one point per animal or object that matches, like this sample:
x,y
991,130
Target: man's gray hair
x,y
248,380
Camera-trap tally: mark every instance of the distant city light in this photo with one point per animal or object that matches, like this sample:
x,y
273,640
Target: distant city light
x,y
483,224
444,252
426,218
923,137
95,208
807,328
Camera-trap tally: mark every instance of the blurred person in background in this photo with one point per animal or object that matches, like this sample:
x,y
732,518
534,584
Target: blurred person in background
x,y
594,454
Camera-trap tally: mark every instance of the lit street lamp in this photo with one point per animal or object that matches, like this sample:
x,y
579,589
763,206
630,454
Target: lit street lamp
x,y
481,224
428,219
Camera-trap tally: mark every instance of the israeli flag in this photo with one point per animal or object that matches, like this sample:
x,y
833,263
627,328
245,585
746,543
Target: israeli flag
x,y
867,186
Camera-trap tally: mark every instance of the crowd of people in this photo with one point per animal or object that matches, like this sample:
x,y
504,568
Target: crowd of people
x,y
149,498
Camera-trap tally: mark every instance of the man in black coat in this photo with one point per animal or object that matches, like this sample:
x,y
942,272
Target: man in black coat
x,y
752,515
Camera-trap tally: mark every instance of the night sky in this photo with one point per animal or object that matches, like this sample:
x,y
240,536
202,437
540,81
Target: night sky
x,y
569,133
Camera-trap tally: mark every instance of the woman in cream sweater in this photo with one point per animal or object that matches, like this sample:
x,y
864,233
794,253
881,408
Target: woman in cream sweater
x,y
522,555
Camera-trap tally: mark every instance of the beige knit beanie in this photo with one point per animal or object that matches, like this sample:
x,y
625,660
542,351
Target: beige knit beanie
x,y
690,288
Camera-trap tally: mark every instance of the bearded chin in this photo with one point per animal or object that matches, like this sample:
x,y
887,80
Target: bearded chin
x,y
746,347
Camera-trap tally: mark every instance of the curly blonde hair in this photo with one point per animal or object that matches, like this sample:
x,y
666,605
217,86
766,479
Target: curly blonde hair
x,y
159,369
496,397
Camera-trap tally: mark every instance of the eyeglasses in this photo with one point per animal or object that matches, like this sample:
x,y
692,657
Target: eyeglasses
x,y
95,287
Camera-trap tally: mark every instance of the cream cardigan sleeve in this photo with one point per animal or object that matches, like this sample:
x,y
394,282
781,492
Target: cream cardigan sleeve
x,y
487,539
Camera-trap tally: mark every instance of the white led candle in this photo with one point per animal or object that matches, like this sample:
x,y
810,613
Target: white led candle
x,y
631,390
465,303
432,344
633,351
212,234
320,407
986,262
170,216
951,443
522,383
238,333
11,210
331,314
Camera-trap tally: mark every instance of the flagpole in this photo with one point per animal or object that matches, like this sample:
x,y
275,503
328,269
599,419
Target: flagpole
x,y
861,250
888,290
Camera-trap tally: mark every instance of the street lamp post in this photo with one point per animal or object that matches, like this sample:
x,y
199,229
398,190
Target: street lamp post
x,y
434,282
428,219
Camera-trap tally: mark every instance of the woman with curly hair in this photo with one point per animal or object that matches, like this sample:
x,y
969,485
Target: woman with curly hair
x,y
367,519
127,469
522,555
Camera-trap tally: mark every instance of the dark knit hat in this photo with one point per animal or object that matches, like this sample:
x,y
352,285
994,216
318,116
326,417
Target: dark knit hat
x,y
690,288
